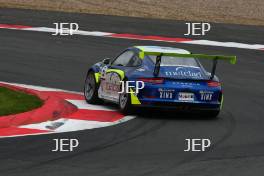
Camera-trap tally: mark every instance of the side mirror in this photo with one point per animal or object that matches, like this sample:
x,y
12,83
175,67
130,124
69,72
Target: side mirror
x,y
106,61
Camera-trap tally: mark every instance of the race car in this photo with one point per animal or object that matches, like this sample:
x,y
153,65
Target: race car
x,y
157,77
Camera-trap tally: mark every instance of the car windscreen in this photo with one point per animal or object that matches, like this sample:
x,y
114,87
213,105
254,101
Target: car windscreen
x,y
175,61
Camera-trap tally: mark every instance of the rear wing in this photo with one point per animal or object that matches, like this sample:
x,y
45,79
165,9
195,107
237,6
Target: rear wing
x,y
214,58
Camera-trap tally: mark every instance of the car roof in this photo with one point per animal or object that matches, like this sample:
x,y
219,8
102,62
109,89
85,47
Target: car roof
x,y
162,49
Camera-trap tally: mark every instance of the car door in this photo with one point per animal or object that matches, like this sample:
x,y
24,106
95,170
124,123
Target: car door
x,y
112,75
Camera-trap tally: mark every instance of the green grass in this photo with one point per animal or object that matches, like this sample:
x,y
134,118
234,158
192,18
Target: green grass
x,y
13,102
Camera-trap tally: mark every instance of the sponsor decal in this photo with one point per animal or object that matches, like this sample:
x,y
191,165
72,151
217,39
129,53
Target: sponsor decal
x,y
112,82
206,95
113,77
111,87
166,93
185,72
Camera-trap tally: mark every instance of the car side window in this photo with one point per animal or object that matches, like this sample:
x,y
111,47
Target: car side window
x,y
123,59
134,61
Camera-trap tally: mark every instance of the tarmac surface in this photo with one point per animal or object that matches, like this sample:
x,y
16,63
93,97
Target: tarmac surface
x,y
153,143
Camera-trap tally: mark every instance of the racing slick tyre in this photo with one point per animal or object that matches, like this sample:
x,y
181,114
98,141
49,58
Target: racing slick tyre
x,y
91,89
125,102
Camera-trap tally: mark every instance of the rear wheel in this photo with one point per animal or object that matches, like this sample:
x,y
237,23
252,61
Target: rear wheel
x,y
125,102
91,89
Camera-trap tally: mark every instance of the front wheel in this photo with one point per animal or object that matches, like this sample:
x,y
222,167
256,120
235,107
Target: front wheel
x,y
91,89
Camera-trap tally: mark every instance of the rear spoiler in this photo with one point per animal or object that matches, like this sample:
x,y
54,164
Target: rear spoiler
x,y
215,58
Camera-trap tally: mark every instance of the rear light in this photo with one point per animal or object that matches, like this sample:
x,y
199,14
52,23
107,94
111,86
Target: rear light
x,y
213,84
152,80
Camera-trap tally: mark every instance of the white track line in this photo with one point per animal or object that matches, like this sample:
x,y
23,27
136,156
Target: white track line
x,y
40,88
140,37
225,44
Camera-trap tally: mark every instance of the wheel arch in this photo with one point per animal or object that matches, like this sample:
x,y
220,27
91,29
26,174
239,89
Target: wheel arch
x,y
96,71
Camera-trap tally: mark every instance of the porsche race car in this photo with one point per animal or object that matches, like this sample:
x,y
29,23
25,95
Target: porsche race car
x,y
157,77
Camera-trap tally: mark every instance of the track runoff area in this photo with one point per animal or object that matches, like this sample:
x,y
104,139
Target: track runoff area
x,y
86,116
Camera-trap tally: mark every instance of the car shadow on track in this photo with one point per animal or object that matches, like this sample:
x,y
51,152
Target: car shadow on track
x,y
173,115
165,114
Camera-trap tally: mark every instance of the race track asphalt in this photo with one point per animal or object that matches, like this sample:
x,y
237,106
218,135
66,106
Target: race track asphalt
x,y
152,144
